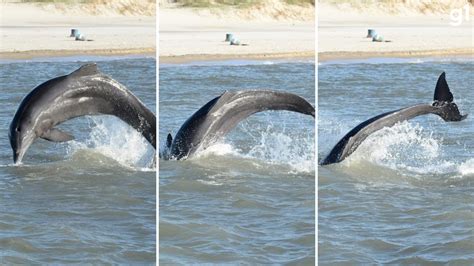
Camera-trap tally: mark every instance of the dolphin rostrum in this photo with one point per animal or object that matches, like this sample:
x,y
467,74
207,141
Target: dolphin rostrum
x,y
85,91
220,115
442,106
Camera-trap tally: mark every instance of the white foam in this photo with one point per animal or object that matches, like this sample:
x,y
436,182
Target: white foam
x,y
280,148
467,168
404,146
272,147
115,139
219,149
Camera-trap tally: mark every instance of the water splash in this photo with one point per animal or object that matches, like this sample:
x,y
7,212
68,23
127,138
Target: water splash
x,y
219,149
405,146
281,148
115,139
467,168
271,146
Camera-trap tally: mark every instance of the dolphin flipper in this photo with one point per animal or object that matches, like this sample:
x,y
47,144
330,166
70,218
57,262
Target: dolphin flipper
x,y
169,141
57,135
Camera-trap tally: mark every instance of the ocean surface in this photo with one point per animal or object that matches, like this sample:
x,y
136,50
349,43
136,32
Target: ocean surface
x,y
406,196
249,199
88,201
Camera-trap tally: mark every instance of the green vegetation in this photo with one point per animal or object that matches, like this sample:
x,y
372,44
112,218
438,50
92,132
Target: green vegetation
x,y
65,1
190,3
237,3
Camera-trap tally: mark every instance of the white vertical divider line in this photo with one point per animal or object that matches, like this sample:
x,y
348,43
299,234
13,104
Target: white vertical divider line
x,y
157,182
316,119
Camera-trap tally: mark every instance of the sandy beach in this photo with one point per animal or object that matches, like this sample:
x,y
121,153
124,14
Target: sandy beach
x,y
36,30
342,34
271,31
188,34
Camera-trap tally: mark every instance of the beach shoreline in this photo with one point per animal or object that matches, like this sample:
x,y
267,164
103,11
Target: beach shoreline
x,y
346,55
179,59
34,54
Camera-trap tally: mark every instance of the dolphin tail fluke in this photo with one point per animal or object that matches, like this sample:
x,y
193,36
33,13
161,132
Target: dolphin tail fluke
x,y
444,100
442,92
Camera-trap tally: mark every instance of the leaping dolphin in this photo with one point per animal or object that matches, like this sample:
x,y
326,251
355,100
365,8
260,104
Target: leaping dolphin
x,y
85,91
442,106
220,115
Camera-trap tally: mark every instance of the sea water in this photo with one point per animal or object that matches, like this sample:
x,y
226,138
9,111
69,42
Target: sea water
x,y
406,195
250,198
91,200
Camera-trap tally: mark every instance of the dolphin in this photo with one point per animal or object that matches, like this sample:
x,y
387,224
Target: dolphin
x,y
220,115
85,91
442,106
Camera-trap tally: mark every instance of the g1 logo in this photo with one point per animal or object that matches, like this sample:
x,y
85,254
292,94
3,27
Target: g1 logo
x,y
457,15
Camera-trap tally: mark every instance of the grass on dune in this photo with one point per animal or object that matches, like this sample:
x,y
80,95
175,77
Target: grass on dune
x,y
238,3
98,2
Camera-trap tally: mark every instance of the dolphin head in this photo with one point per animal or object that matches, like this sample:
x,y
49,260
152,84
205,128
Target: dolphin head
x,y
21,137
449,111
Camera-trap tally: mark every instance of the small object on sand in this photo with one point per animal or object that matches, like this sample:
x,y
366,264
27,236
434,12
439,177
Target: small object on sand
x,y
229,37
80,37
377,38
83,38
371,33
74,33
234,41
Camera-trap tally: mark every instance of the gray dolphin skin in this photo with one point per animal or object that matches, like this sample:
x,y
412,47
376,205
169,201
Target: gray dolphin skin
x,y
442,106
220,115
85,91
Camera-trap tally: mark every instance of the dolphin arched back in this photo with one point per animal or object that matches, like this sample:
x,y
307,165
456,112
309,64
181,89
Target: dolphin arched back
x,y
85,91
442,106
220,115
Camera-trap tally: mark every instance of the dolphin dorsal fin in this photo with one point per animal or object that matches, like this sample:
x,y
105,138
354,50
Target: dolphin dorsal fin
x,y
86,70
442,92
